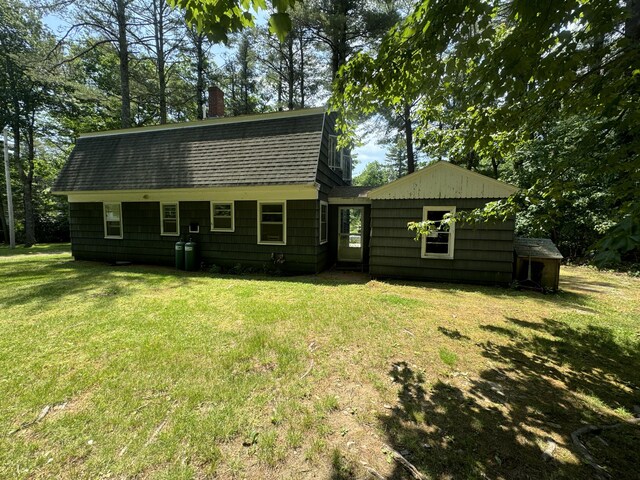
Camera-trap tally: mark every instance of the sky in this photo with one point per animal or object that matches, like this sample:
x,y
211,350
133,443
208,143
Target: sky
x,y
368,152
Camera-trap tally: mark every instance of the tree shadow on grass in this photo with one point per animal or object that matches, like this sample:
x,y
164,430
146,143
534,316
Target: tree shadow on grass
x,y
545,384
454,334
40,283
49,248
54,278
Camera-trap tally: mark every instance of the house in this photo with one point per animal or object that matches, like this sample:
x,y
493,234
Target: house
x,y
474,253
253,188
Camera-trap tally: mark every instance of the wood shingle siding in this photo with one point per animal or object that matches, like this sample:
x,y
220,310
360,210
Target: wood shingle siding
x,y
483,252
143,243
327,177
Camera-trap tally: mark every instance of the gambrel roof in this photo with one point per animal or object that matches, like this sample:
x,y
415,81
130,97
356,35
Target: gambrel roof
x,y
266,149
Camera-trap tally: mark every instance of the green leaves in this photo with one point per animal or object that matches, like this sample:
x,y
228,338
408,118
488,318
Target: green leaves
x,y
280,25
219,18
427,227
488,79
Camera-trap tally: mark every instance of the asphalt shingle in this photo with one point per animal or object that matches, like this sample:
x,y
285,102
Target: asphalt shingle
x,y
272,151
536,248
349,192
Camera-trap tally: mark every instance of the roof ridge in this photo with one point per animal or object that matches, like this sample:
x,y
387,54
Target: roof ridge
x,y
257,117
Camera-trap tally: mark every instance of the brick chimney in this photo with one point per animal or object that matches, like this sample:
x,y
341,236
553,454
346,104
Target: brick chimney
x,y
216,102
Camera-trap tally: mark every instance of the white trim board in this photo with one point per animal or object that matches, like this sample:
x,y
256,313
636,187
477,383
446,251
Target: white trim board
x,y
284,222
326,222
233,215
442,180
452,233
104,221
170,234
221,194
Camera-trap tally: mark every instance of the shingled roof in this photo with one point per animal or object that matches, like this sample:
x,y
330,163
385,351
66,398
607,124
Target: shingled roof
x,y
348,191
536,248
269,149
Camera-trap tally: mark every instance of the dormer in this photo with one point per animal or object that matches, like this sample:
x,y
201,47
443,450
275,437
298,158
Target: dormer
x,y
340,159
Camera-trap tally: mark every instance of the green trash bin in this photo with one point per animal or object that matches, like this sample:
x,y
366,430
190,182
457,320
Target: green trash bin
x,y
180,254
190,263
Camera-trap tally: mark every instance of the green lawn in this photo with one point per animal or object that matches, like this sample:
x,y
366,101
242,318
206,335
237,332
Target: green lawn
x,y
151,373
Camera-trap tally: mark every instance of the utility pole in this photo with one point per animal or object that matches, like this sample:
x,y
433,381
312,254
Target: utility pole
x,y
7,176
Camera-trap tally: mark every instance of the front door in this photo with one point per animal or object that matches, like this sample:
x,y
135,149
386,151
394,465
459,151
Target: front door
x,y
350,234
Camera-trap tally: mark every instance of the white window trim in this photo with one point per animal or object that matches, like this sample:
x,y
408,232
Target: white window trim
x,y
322,242
170,234
284,221
233,215
452,233
104,220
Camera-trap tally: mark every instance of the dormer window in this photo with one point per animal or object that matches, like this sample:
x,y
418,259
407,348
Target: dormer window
x,y
345,166
334,152
339,159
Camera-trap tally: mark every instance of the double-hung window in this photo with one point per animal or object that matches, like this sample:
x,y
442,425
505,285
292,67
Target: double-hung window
x,y
112,220
440,242
324,215
169,219
272,223
222,217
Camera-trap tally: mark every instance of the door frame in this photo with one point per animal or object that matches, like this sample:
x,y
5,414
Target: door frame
x,y
351,207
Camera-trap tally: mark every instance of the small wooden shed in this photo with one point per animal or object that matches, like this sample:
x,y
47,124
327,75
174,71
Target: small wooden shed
x,y
537,263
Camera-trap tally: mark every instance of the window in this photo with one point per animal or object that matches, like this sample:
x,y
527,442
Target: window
x,y
112,220
339,158
222,218
439,244
272,223
334,153
324,214
169,219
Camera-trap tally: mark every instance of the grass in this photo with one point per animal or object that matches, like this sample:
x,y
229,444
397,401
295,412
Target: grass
x,y
152,373
448,357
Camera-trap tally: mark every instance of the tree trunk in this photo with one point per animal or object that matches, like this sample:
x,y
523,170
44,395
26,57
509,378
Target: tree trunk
x,y
25,179
244,72
340,48
158,26
123,53
3,220
280,85
632,26
290,72
408,132
27,185
234,95
200,67
301,38
494,165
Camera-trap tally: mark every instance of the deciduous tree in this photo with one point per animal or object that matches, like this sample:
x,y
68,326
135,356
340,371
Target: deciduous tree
x,y
492,76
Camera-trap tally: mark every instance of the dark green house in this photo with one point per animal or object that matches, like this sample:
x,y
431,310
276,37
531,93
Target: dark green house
x,y
273,186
